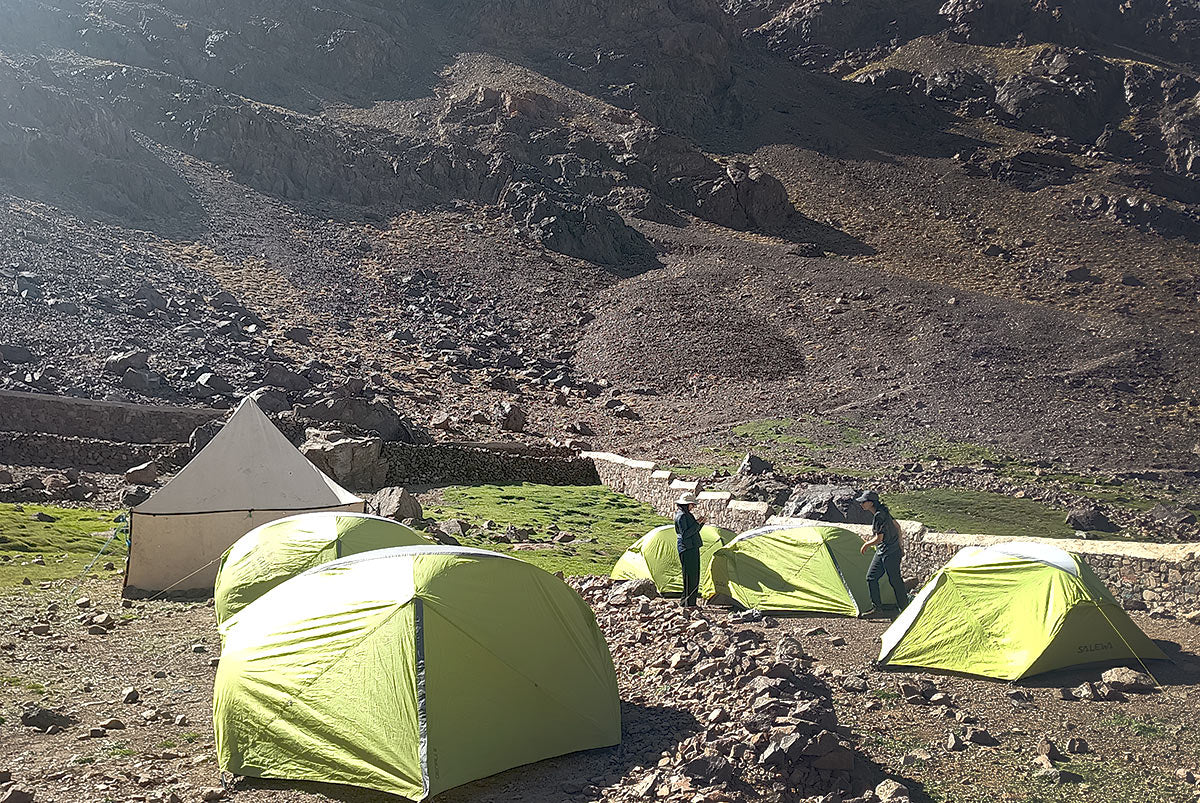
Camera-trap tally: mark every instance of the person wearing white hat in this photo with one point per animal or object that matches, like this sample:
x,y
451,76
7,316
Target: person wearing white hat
x,y
687,531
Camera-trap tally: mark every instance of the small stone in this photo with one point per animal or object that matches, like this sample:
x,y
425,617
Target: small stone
x,y
40,630
981,736
1185,775
199,648
213,793
1078,747
955,743
113,724
83,603
1123,678
180,720
889,790
130,695
915,756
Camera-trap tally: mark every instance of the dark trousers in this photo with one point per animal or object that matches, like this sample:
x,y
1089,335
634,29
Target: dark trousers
x,y
889,565
690,560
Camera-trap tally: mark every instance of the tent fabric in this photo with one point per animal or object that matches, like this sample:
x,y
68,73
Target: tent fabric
x,y
248,475
268,555
1012,611
249,465
412,670
789,568
655,556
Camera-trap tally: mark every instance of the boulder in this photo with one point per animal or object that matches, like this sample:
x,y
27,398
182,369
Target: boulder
x,y
209,385
833,503
365,415
16,355
510,417
121,362
132,497
1090,518
396,503
270,400
277,375
753,465
143,474
299,334
1123,678
351,462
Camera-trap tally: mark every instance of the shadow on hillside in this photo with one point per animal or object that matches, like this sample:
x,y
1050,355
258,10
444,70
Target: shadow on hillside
x,y
646,731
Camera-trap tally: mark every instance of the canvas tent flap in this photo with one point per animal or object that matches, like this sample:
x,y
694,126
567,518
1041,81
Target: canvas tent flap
x,y
249,465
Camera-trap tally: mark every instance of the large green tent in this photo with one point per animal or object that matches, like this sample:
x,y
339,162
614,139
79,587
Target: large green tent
x,y
411,671
790,568
1010,611
655,556
267,555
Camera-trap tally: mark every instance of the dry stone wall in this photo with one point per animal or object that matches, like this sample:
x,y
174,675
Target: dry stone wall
x,y
445,463
100,420
1163,578
85,454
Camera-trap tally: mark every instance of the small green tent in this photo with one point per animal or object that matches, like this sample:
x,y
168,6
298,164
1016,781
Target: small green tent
x,y
655,556
790,568
411,671
267,555
1010,611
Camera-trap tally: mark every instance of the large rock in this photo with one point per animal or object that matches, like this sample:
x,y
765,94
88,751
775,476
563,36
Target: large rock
x,y
510,416
1090,518
365,415
396,503
143,474
121,362
1122,678
753,464
270,400
827,503
353,462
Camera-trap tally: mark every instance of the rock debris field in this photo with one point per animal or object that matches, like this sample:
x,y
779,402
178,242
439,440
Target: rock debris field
x,y
111,700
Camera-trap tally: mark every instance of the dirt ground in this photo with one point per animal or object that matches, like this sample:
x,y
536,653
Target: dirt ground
x,y
166,651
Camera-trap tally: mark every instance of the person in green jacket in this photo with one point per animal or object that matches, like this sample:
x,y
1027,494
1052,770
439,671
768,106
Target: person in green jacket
x,y
885,537
687,533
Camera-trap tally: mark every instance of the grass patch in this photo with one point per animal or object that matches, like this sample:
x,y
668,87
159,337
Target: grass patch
x,y
189,737
122,749
21,683
951,510
168,744
928,54
585,511
66,545
1144,729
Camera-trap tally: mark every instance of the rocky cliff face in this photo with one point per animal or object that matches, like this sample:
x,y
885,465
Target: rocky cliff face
x,y
463,193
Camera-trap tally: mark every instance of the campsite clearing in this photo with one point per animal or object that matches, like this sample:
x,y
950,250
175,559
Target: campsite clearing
x,y
1136,745
603,523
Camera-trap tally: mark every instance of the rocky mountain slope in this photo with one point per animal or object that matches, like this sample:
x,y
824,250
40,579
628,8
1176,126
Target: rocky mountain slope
x,y
645,223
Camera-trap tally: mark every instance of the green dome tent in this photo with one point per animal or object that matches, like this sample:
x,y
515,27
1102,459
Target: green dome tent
x,y
655,556
1010,611
790,568
267,555
411,671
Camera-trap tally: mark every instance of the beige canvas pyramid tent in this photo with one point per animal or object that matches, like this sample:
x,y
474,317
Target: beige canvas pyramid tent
x,y
248,475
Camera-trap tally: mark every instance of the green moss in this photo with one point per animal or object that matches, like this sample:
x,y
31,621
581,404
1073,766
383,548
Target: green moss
x,y
962,511
66,545
22,683
587,511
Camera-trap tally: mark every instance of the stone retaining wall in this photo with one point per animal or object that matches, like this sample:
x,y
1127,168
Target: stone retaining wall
x,y
85,454
101,420
659,488
1158,577
447,463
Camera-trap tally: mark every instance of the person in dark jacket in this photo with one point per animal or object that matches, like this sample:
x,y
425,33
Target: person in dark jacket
x,y
687,532
885,537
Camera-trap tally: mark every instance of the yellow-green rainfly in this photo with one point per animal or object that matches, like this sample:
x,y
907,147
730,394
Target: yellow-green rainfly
x,y
1013,610
411,671
789,568
655,556
267,555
